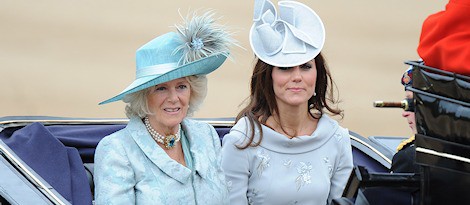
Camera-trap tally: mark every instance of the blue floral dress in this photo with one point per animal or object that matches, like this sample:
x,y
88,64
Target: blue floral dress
x,y
311,169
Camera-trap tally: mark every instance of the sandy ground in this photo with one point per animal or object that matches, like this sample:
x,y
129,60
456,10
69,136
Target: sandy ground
x,y
63,57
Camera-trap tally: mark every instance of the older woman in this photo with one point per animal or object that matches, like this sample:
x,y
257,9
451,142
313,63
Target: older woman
x,y
284,148
162,157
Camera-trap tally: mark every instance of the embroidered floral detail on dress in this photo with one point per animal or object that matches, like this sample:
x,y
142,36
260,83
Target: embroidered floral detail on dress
x,y
330,168
250,201
337,136
252,194
288,163
304,178
229,185
263,161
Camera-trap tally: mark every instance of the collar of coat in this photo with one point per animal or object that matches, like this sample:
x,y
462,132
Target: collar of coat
x,y
198,134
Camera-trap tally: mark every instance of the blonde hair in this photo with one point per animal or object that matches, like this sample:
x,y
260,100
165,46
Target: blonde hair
x,y
136,103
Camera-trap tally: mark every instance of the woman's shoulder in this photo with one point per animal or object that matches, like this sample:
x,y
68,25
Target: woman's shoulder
x,y
113,139
327,121
196,130
337,130
115,145
238,132
343,132
196,123
191,126
243,126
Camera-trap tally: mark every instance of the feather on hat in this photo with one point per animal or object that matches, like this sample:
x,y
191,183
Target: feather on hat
x,y
199,47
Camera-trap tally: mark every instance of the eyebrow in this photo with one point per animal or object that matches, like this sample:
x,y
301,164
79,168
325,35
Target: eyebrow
x,y
177,82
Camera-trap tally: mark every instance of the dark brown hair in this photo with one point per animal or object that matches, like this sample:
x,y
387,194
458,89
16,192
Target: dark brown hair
x,y
262,102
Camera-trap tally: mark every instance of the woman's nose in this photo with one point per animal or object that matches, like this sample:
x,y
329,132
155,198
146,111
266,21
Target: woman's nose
x,y
173,96
296,75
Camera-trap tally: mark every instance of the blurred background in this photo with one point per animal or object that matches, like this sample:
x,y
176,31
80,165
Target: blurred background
x,y
63,57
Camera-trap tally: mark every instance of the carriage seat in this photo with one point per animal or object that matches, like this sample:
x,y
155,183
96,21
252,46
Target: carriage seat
x,y
84,137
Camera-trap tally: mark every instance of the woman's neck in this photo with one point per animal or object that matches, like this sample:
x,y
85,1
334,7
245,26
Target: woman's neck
x,y
162,129
293,122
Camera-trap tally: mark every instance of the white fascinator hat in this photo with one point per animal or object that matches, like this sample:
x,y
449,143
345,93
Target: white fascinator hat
x,y
290,36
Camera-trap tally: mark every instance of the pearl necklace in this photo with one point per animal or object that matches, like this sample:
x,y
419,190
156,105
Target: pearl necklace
x,y
169,141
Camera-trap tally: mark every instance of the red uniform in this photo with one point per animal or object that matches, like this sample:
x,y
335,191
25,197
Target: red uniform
x,y
445,38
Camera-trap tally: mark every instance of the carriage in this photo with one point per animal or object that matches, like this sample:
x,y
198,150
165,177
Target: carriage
x,y
442,112
21,184
49,160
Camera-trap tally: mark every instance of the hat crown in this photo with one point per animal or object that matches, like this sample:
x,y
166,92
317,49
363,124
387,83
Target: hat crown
x,y
158,51
197,48
407,77
287,37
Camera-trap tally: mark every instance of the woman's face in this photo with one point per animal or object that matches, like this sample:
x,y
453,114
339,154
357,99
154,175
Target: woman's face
x,y
169,102
294,86
410,116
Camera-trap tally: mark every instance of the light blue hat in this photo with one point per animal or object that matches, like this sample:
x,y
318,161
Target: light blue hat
x,y
199,47
289,37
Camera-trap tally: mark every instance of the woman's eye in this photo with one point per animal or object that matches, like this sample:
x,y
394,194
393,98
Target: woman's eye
x,y
160,88
182,86
284,68
306,66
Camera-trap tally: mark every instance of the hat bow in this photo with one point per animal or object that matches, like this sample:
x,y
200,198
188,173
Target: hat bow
x,y
283,32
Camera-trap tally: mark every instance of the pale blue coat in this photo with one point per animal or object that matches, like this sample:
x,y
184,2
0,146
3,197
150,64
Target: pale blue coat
x,y
130,168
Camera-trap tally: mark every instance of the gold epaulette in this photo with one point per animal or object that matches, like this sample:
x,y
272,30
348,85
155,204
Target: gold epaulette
x,y
405,142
